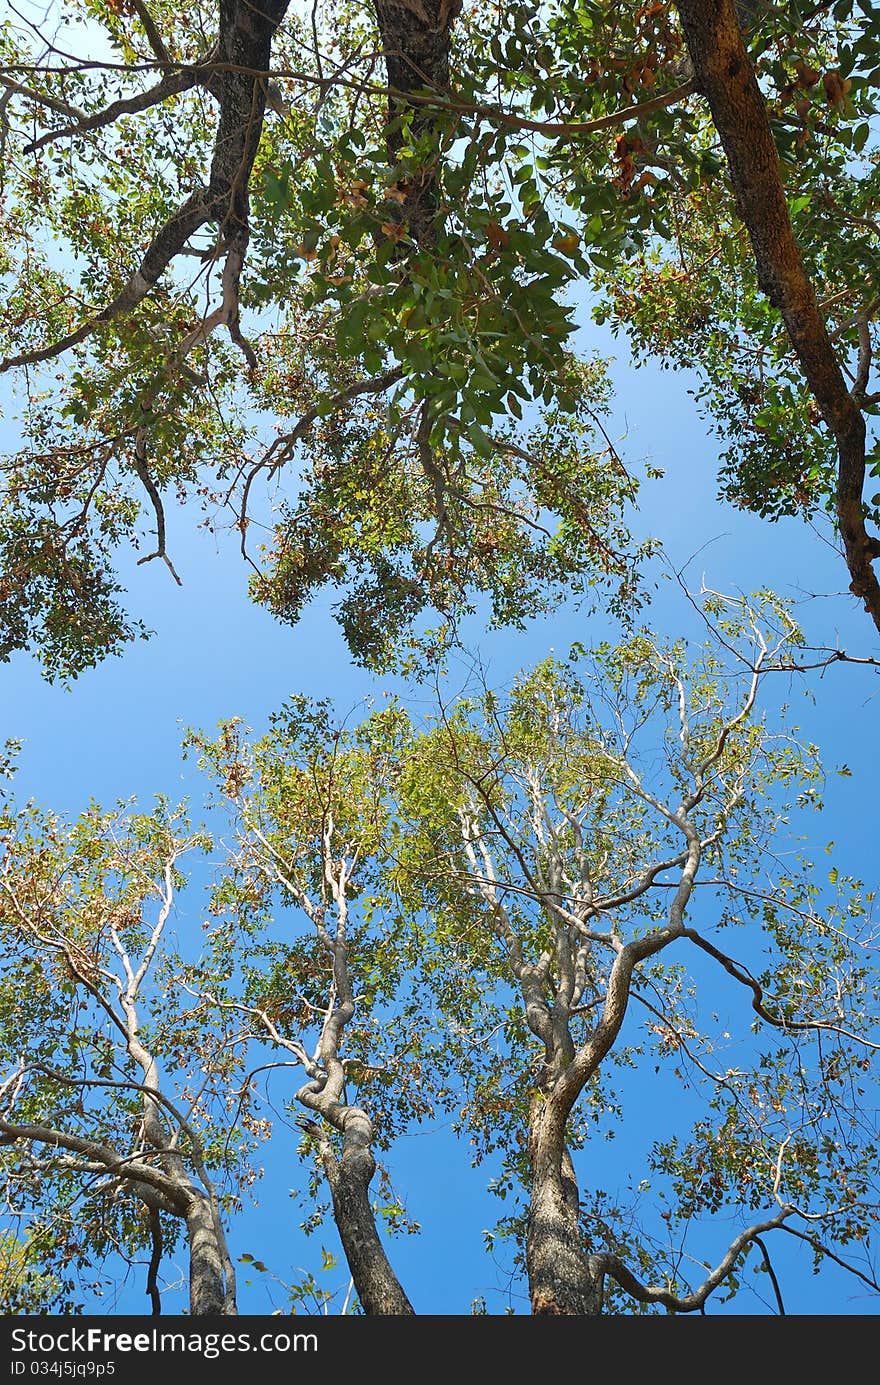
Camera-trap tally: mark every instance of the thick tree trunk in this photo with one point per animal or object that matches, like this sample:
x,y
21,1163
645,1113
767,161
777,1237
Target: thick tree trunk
x,y
415,38
723,73
561,1282
349,1177
244,41
207,1276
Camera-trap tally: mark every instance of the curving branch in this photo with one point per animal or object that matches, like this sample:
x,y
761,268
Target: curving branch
x,y
172,85
588,1057
227,313
605,1263
283,447
149,485
768,1266
745,978
122,1085
100,1156
560,130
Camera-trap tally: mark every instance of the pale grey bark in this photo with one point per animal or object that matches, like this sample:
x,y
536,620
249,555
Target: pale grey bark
x,y
349,1173
155,1169
565,1278
208,1263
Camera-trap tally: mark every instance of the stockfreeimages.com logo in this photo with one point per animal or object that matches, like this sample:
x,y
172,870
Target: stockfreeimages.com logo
x,y
210,1345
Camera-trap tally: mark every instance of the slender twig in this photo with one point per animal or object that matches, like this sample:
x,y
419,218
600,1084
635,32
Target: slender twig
x,y
149,485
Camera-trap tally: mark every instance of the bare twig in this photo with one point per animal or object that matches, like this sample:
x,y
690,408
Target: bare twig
x,y
149,485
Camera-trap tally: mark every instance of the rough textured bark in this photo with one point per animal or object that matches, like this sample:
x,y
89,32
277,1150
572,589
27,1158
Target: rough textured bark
x,y
207,1276
245,40
561,1279
377,1286
565,1279
415,39
724,74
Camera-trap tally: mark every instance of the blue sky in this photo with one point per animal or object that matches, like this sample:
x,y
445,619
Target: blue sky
x,y
117,731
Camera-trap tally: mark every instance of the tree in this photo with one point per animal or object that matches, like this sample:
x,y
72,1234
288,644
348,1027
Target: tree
x,y
503,913
310,809
563,854
130,1086
385,209
85,1117
319,274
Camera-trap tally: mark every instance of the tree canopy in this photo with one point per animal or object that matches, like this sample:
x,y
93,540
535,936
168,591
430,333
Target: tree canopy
x,y
315,270
319,278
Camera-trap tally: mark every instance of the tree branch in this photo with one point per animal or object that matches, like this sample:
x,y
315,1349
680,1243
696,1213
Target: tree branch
x,y
172,85
42,98
227,313
768,1265
606,1263
246,33
746,979
149,26
102,1156
724,75
822,1249
575,129
155,1260
282,448
108,1082
190,216
149,485
863,370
